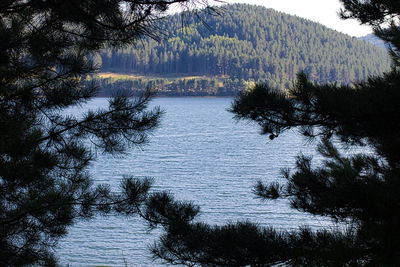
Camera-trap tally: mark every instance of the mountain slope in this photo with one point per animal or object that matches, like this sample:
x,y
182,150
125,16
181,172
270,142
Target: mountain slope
x,y
250,42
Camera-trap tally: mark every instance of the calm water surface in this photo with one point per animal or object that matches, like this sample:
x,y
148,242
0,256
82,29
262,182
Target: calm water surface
x,y
199,154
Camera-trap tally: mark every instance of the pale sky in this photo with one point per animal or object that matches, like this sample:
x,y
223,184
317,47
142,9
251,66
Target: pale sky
x,y
322,11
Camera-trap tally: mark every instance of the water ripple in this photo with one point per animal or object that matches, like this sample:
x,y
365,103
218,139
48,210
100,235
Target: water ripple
x,y
199,154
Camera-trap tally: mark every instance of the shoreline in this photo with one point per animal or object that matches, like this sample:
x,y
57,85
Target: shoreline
x,y
163,96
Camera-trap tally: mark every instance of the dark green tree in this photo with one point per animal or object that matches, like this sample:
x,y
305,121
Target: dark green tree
x,y
47,49
359,191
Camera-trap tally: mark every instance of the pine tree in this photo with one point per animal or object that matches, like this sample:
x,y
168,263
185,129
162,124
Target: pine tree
x,y
359,191
47,50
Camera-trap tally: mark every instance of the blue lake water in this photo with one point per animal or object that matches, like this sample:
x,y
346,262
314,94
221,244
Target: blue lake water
x,y
200,154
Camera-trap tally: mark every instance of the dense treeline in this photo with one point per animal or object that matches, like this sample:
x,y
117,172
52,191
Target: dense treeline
x,y
250,42
177,87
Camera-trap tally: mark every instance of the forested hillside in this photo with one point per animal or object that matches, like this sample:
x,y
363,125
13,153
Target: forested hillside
x,y
249,43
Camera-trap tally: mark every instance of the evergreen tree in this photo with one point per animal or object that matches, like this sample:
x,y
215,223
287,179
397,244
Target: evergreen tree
x,y
359,191
47,50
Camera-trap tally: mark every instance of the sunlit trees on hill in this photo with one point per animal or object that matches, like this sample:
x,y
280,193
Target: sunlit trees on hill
x,y
252,43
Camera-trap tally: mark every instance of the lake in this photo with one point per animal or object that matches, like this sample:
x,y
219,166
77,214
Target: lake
x,y
199,154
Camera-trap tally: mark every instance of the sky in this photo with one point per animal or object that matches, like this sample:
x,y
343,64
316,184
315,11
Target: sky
x,y
322,11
